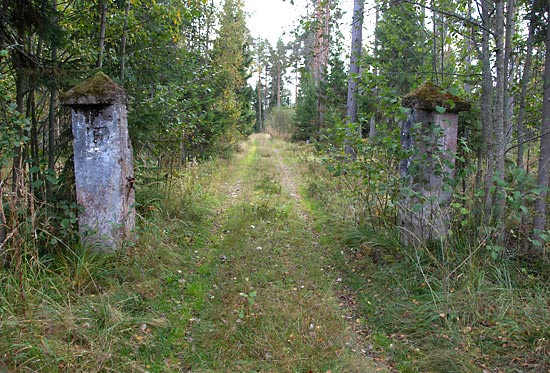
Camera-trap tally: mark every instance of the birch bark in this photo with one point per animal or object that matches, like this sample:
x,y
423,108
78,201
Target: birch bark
x,y
355,57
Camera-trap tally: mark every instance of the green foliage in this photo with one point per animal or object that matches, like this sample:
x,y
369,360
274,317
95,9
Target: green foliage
x,y
450,307
14,125
278,62
176,99
232,106
174,82
372,180
132,307
336,86
280,122
307,126
402,55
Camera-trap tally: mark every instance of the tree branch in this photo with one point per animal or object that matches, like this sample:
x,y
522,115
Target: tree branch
x,y
450,14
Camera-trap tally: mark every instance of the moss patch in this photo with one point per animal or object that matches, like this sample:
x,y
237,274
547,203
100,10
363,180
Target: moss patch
x,y
99,88
428,96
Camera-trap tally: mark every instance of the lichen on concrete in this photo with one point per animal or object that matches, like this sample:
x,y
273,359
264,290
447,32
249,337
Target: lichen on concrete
x,y
428,96
98,89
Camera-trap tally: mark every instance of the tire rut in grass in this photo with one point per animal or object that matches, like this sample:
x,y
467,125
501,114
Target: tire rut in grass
x,y
271,306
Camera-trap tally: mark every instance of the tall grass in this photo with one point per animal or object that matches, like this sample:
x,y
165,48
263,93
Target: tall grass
x,y
75,310
448,306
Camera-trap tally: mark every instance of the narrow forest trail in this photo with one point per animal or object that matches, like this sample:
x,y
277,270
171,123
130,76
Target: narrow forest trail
x,y
274,305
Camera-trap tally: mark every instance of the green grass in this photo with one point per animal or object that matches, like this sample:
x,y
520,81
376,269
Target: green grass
x,y
434,309
80,311
272,307
259,263
225,275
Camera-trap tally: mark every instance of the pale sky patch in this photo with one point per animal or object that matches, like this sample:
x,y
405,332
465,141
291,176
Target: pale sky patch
x,y
271,19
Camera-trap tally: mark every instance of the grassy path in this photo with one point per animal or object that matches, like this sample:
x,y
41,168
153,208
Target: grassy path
x,y
235,270
272,306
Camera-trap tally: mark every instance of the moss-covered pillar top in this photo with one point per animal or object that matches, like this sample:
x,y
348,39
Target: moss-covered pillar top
x,y
429,97
99,89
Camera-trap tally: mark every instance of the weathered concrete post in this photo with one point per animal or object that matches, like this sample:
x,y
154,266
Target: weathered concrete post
x,y
430,136
103,161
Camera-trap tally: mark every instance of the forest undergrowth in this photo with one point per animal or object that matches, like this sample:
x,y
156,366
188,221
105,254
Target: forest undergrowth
x,y
81,311
450,306
227,274
260,263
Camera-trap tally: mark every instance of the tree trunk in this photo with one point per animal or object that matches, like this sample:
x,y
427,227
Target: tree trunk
x,y
51,126
499,198
34,132
435,76
102,29
296,81
355,57
320,54
372,127
539,220
33,144
17,167
266,101
509,68
123,40
52,118
487,110
372,123
278,83
469,50
526,76
259,89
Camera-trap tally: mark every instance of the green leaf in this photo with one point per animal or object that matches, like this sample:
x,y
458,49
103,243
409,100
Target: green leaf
x,y
524,209
52,179
440,109
37,184
404,110
408,192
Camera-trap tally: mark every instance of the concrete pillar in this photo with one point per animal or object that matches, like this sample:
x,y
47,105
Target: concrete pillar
x,y
103,161
429,135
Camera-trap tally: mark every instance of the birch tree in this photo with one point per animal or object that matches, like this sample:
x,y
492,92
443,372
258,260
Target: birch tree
x,y
102,30
539,221
321,52
499,198
354,67
525,77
